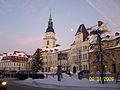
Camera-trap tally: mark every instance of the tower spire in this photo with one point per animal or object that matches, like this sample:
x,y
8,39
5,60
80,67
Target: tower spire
x,y
50,23
50,18
49,39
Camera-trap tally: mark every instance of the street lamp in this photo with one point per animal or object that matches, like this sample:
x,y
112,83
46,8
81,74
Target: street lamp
x,y
59,71
59,60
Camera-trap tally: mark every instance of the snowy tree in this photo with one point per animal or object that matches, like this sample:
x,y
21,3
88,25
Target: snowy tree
x,y
37,61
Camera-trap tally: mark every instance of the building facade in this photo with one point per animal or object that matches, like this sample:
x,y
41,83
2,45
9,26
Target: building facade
x,y
80,55
110,52
77,53
51,50
16,60
79,50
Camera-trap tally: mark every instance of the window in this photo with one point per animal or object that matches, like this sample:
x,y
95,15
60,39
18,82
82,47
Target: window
x,y
86,67
84,56
47,42
85,48
14,64
83,67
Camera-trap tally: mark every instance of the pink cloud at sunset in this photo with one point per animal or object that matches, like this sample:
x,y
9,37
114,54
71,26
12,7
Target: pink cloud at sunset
x,y
30,40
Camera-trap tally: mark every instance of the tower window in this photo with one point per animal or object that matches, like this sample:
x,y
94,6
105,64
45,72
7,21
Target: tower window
x,y
47,42
49,23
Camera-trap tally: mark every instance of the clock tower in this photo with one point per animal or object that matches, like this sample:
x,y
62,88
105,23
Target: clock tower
x,y
49,38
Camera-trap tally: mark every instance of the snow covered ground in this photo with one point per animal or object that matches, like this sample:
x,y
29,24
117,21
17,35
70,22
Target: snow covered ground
x,y
70,83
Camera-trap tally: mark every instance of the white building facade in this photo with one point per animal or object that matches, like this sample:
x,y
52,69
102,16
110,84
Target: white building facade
x,y
16,60
79,50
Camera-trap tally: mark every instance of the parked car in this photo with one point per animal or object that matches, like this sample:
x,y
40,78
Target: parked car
x,y
24,74
83,74
10,73
1,74
1,71
3,85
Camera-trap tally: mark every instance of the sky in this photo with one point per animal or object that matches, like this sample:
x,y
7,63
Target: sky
x,y
23,22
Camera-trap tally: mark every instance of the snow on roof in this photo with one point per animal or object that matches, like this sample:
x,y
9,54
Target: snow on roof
x,y
59,48
105,36
110,37
15,53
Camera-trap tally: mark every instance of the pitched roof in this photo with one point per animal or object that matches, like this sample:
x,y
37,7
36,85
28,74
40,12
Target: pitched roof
x,y
50,25
50,29
82,29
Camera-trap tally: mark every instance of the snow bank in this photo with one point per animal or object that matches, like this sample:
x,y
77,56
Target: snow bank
x,y
52,82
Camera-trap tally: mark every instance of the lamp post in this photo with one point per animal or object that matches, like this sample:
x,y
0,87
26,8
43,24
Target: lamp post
x,y
99,42
59,72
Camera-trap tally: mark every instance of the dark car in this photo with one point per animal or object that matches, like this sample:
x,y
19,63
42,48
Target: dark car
x,y
83,74
1,74
3,85
10,73
24,74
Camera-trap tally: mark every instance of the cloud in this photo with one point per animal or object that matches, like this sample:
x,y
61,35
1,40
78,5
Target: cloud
x,y
108,9
30,40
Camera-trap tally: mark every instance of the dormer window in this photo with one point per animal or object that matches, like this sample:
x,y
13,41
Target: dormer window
x,y
107,36
117,34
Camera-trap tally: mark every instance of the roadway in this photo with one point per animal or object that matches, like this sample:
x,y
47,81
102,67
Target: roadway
x,y
12,85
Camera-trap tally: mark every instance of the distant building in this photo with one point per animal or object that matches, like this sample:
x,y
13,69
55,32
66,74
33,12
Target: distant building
x,y
16,60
